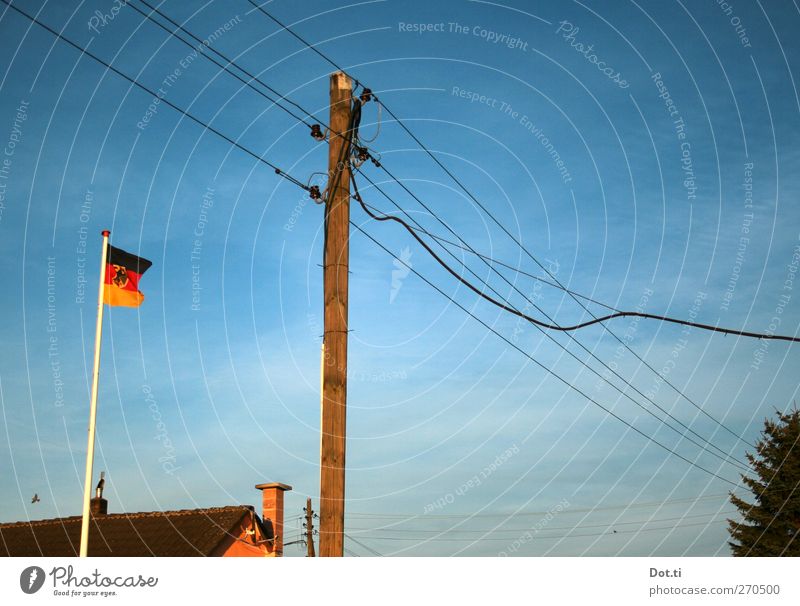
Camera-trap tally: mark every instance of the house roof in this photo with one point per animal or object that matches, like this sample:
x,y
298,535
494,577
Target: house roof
x,y
188,532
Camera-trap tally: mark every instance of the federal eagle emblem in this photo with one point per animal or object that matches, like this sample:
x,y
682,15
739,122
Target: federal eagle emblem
x,y
120,278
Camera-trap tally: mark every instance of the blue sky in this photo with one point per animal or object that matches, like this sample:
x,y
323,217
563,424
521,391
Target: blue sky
x,y
198,405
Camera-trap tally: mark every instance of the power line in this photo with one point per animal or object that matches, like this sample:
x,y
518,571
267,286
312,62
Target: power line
x,y
539,364
161,98
249,84
283,97
518,270
396,528
571,510
691,501
367,547
537,537
595,319
380,105
353,127
311,46
201,48
310,114
528,253
507,307
573,295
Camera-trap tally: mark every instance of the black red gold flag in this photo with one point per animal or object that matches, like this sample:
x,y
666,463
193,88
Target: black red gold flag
x,y
123,271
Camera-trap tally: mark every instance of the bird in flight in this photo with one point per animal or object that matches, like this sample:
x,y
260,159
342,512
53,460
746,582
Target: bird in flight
x,y
35,498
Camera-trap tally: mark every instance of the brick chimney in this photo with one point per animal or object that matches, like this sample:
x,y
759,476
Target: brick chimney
x,y
272,515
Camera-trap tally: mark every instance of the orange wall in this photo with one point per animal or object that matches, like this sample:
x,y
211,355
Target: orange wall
x,y
242,545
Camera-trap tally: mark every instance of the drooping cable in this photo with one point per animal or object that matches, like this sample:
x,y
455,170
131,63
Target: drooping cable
x,y
616,314
539,364
419,229
724,456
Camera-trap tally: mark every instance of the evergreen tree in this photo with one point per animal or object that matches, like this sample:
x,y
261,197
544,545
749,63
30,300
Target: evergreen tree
x,y
771,525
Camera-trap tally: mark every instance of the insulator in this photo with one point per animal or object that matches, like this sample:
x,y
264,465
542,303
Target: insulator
x,y
314,193
366,95
363,153
316,132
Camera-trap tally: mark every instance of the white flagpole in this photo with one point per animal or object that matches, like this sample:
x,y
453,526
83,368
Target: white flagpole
x,y
87,484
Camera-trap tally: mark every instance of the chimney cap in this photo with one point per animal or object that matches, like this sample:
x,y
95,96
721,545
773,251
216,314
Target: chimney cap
x,y
273,485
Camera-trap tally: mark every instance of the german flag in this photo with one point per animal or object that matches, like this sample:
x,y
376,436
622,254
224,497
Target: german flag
x,y
123,271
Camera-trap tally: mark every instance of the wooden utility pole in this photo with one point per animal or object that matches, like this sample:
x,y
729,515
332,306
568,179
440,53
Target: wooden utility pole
x,y
334,368
309,530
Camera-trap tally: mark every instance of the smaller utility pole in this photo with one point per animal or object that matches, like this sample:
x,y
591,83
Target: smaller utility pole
x,y
309,529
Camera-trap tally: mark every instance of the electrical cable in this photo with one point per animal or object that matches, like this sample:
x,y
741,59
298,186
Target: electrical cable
x,y
616,314
230,62
539,364
367,547
378,125
162,99
556,327
528,528
439,238
691,501
306,112
289,30
727,457
201,48
353,128
529,254
609,533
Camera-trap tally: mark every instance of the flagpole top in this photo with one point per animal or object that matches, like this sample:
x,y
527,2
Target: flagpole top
x,y
105,233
